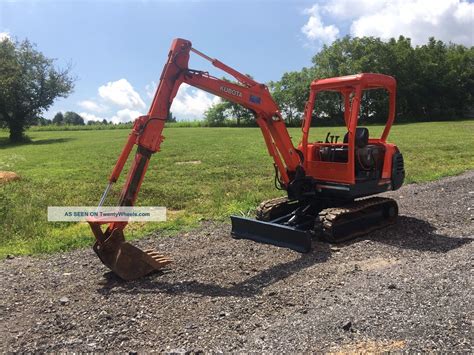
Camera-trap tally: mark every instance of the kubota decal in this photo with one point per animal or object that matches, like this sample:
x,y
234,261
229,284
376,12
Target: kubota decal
x,y
231,91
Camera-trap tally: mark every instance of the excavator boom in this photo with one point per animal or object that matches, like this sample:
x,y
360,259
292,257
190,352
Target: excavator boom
x,y
130,262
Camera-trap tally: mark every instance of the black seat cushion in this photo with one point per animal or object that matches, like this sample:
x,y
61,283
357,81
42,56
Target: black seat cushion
x,y
369,157
361,137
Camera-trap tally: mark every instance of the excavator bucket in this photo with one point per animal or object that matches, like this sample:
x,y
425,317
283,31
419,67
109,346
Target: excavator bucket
x,y
124,259
271,233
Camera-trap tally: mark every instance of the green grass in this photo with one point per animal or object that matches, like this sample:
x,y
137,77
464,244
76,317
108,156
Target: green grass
x,y
235,174
100,127
179,124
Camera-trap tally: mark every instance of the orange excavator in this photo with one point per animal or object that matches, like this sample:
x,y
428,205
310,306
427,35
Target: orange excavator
x,y
324,180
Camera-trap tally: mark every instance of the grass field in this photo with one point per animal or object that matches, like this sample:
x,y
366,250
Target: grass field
x,y
233,175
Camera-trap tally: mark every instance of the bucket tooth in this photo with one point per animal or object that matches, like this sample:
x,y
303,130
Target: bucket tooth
x,y
126,260
153,254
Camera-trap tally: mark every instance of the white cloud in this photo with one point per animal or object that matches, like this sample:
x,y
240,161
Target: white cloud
x,y
315,30
121,116
191,103
92,106
447,20
4,35
347,9
90,117
150,89
121,93
125,115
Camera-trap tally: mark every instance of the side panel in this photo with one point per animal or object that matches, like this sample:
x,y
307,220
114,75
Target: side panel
x,y
390,150
328,171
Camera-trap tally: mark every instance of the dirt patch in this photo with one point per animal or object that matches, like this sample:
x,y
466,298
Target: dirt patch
x,y
173,214
7,176
190,162
370,347
405,288
376,264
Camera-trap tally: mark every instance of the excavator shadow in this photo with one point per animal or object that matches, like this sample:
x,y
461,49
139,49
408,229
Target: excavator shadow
x,y
247,288
409,233
416,234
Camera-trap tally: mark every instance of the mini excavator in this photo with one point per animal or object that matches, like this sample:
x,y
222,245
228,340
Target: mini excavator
x,y
326,182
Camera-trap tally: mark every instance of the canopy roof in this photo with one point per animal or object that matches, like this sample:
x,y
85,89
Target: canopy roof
x,y
365,80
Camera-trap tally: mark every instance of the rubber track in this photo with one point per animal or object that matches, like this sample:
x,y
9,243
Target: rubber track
x,y
266,207
328,218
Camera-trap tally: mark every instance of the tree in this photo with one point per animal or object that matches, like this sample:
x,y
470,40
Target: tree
x,y
348,56
434,81
73,118
232,110
171,118
448,76
238,112
41,121
29,85
291,93
215,115
58,118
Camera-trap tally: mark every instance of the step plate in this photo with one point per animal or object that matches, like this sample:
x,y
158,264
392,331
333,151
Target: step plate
x,y
271,233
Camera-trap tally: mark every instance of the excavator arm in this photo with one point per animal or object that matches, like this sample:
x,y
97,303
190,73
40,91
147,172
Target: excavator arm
x,y
128,261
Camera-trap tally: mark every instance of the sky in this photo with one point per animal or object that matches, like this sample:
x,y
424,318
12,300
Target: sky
x,y
117,48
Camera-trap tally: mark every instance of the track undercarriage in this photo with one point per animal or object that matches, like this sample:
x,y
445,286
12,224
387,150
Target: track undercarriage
x,y
293,224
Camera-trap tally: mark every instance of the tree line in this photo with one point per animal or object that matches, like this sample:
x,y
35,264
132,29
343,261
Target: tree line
x,y
435,81
68,118
74,119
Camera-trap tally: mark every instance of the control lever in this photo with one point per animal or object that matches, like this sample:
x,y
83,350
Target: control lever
x,y
327,137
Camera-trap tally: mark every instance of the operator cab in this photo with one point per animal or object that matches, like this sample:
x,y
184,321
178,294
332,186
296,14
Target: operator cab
x,y
368,157
360,163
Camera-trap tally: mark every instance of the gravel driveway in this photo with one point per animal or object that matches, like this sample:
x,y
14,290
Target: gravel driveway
x,y
408,287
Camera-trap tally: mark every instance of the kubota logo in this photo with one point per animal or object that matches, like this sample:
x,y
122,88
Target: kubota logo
x,y
231,91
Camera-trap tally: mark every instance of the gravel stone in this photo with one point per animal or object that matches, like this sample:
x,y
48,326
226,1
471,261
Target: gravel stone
x,y
405,288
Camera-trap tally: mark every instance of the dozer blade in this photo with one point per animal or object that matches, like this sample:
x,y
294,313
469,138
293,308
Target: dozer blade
x,y
126,260
271,233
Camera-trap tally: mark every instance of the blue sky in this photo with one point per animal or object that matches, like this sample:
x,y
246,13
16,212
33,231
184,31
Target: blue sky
x,y
117,48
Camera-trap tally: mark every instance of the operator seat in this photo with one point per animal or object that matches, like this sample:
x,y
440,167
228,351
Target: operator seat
x,y
368,157
361,137
339,154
